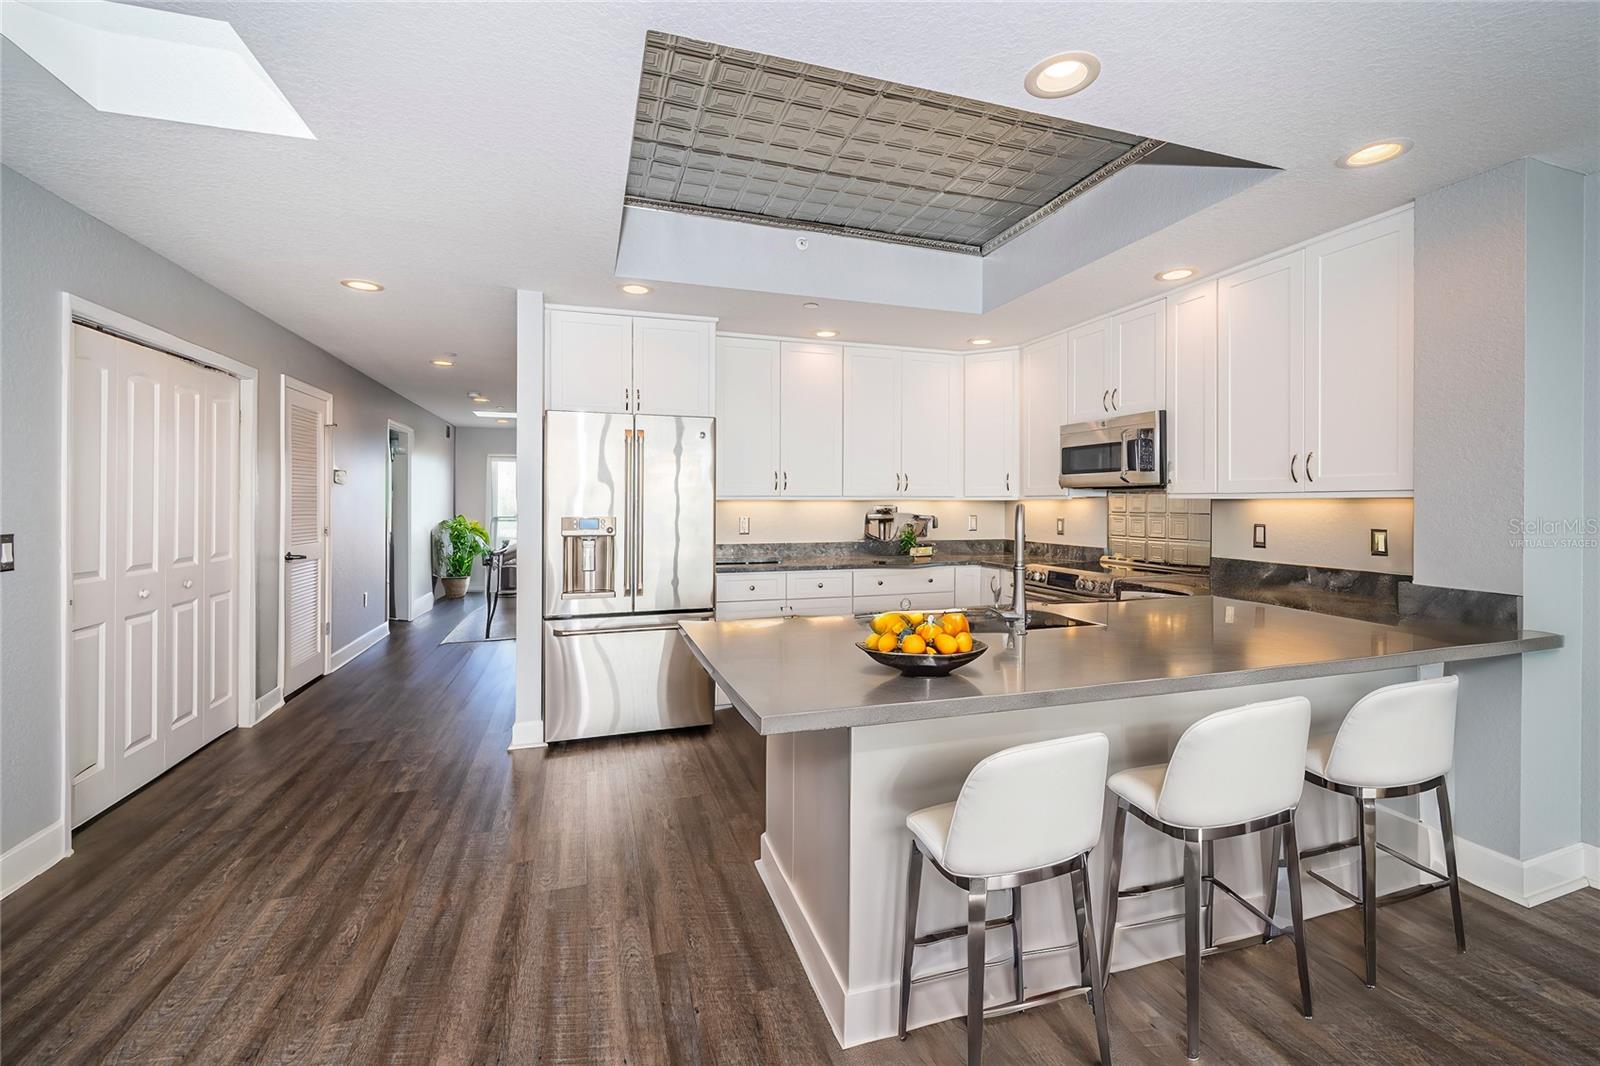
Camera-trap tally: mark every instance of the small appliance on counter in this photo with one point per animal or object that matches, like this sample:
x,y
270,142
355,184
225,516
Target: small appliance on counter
x,y
881,523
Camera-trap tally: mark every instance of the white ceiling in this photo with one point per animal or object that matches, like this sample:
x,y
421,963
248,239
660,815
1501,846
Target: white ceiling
x,y
465,150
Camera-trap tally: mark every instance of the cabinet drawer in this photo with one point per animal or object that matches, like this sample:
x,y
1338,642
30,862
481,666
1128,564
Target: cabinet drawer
x,y
734,610
919,601
819,608
905,582
732,587
819,584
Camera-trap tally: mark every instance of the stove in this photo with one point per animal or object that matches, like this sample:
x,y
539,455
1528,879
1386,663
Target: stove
x,y
1060,584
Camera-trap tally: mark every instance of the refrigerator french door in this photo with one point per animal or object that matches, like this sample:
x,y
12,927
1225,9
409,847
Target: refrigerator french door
x,y
629,515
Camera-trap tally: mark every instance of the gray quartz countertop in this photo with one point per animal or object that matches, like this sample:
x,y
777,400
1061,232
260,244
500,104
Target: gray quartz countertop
x,y
861,561
797,674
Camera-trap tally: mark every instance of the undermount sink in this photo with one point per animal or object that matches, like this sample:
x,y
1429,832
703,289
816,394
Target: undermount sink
x,y
986,621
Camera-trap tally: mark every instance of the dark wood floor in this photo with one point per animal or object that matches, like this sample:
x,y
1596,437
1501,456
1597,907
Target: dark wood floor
x,y
369,877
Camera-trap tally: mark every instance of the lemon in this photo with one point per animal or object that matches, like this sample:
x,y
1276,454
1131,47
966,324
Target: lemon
x,y
888,642
963,642
916,618
889,622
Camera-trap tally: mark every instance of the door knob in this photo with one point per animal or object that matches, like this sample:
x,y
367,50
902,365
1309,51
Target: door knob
x,y
291,557
188,582
144,594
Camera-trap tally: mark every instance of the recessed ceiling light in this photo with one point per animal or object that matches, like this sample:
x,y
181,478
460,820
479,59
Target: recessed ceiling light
x,y
981,341
636,290
809,306
479,397
502,414
361,285
826,333
444,362
1176,274
1375,153
1062,75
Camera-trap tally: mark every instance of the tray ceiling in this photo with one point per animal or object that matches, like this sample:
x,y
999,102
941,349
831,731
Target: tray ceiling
x,y
741,134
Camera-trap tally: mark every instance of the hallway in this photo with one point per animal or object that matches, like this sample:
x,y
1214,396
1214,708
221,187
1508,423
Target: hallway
x,y
368,877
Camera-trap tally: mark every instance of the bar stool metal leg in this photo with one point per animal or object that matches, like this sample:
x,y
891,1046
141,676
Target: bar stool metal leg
x,y
1297,915
1274,843
1369,886
1448,829
1016,940
1191,958
977,924
1119,826
1089,960
913,895
1208,873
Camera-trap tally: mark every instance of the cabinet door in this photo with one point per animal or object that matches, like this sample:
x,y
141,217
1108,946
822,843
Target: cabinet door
x,y
931,386
990,435
811,419
672,367
1088,391
1358,378
872,405
590,362
1192,391
747,417
1260,366
1137,368
1043,411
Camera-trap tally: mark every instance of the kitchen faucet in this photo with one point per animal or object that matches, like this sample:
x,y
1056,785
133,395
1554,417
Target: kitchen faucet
x,y
1017,615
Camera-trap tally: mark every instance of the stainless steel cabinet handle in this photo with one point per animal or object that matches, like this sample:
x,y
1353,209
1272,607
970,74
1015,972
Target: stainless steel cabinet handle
x,y
627,495
1114,399
1309,478
625,406
609,630
637,402
1292,474
1105,400
786,481
774,481
908,482
1008,482
930,581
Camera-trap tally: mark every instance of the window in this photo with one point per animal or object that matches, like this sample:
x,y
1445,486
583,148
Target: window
x,y
502,500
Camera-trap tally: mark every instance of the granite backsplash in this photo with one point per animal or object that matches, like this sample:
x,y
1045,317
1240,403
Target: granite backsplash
x,y
1061,554
1359,594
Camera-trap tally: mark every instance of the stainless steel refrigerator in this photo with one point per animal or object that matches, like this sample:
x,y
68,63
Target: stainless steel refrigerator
x,y
629,546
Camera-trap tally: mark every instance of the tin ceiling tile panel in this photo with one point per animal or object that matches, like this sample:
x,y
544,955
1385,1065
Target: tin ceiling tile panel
x,y
771,140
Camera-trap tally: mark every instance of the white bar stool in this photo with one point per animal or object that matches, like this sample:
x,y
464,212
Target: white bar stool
x,y
1026,814
1396,741
1233,772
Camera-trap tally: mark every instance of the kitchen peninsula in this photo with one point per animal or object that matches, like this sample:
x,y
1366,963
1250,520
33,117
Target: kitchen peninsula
x,y
852,747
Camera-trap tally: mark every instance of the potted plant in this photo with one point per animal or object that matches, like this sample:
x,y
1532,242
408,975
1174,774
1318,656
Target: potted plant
x,y
460,540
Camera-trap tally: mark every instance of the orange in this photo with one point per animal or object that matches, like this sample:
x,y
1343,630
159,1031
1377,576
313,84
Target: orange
x,y
888,642
946,643
954,623
963,642
913,644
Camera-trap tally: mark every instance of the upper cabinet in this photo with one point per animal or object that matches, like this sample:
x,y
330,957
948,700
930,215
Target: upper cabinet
x,y
1117,365
810,419
990,426
1088,391
901,411
613,362
1043,412
1192,391
748,463
1260,367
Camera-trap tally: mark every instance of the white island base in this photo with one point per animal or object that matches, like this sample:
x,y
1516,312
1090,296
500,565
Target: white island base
x,y
834,853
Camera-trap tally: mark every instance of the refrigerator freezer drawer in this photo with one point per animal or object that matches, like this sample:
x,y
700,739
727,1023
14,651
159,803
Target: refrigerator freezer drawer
x,y
604,677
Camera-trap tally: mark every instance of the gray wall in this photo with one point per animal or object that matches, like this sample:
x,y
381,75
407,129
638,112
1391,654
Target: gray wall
x,y
50,247
1591,569
474,445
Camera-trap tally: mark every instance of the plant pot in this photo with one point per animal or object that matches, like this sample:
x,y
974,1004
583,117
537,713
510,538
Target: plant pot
x,y
455,588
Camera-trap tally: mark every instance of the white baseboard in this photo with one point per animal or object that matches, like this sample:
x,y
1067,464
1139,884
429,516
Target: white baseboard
x,y
266,704
825,979
357,646
31,858
1591,864
1527,882
527,735
421,605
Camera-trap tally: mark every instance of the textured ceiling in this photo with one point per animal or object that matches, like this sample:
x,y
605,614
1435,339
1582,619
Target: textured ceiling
x,y
745,135
465,150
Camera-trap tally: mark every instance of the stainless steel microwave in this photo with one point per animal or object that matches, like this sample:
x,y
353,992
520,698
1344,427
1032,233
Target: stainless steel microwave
x,y
1129,451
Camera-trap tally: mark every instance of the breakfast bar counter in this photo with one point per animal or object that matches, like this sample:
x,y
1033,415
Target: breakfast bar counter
x,y
852,747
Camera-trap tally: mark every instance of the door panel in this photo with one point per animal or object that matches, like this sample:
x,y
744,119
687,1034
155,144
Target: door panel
x,y
1043,412
872,406
1260,363
931,387
1139,356
1192,390
185,478
221,566
747,417
811,423
990,436
305,524
1088,391
591,362
673,536
672,367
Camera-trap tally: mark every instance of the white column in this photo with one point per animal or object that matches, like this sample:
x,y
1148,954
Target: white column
x,y
528,732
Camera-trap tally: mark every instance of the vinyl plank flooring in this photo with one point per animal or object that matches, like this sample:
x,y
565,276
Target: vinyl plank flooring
x,y
369,877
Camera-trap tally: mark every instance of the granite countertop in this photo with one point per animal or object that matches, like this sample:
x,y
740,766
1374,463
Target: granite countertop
x,y
861,561
799,674
866,555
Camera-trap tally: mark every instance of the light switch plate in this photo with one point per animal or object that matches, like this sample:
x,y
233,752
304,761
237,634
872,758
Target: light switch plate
x,y
8,552
744,525
972,523
1258,537
1379,541
1061,527
339,476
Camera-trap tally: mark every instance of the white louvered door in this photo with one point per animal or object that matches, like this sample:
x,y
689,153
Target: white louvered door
x,y
153,645
305,519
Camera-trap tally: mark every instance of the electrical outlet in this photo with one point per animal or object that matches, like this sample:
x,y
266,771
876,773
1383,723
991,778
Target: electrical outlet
x,y
744,525
1258,536
1061,527
1379,541
972,523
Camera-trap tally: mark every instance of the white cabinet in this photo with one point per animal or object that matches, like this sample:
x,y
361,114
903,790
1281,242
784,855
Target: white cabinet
x,y
1088,391
989,436
1043,412
1136,367
975,585
1357,426
748,463
614,362
901,409
1260,370
810,419
1192,391
672,366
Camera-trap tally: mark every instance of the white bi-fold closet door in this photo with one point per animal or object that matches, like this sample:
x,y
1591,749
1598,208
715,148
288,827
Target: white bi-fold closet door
x,y
153,642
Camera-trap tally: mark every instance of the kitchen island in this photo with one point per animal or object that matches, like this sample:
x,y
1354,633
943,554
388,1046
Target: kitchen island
x,y
852,747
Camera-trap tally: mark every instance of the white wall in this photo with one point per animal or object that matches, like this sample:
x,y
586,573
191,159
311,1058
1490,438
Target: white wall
x,y
50,247
474,445
1083,521
1335,534
529,728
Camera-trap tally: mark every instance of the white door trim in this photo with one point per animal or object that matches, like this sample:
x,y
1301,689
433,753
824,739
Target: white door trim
x,y
76,307
403,598
325,475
